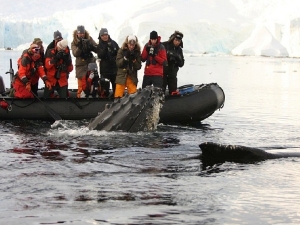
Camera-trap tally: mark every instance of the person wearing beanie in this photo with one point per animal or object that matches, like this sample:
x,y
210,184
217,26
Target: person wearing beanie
x,y
154,54
128,63
175,60
107,53
58,65
153,35
82,47
56,38
30,69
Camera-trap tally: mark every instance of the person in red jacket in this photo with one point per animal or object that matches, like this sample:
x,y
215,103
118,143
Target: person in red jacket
x,y
58,63
30,69
155,56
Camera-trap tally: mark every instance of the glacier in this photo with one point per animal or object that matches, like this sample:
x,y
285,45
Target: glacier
x,y
209,27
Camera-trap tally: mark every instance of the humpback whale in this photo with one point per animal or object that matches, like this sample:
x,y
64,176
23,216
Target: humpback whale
x,y
131,113
213,153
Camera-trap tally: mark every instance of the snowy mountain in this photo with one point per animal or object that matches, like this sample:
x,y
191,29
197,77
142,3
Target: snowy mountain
x,y
209,26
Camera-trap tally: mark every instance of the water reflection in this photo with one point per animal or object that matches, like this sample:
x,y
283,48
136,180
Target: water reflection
x,y
68,174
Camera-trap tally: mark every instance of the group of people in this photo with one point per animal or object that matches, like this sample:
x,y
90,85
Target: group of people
x,y
52,66
118,65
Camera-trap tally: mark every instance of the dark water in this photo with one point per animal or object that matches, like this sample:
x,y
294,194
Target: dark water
x,y
66,174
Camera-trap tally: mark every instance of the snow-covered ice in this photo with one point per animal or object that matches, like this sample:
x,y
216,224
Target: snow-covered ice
x,y
248,27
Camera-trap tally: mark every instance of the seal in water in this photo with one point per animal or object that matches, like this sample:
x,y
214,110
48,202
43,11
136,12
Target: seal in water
x,y
132,113
213,153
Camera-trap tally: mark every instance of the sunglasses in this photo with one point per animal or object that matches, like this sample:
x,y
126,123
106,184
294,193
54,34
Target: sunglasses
x,y
36,49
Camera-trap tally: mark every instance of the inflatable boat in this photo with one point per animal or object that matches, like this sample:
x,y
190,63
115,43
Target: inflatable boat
x,y
192,103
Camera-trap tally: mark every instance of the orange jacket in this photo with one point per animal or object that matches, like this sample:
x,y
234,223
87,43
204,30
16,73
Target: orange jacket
x,y
58,71
31,68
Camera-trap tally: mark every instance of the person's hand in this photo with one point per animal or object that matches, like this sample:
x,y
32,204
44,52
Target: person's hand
x,y
132,56
171,56
48,85
80,44
24,80
178,57
153,52
28,86
127,54
59,55
87,45
170,53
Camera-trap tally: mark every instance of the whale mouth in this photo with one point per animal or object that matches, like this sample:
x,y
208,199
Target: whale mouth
x,y
132,113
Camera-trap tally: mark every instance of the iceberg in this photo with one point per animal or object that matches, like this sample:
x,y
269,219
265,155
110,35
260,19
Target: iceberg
x,y
261,43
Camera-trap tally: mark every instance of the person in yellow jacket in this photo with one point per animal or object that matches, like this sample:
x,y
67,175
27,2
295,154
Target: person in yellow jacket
x,y
128,63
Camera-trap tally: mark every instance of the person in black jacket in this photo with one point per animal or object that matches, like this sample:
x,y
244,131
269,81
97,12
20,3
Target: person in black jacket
x,y
175,60
56,38
107,53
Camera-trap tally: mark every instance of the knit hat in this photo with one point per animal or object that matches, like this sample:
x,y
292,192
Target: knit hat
x,y
92,66
153,35
63,44
57,35
103,31
80,29
37,40
131,39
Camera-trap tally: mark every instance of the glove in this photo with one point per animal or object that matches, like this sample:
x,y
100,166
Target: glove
x,y
67,59
178,57
127,54
132,56
170,53
28,86
80,44
87,45
59,55
48,85
24,80
171,56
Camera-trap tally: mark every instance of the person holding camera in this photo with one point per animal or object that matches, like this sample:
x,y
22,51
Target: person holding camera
x,y
175,60
107,53
82,47
30,69
128,63
154,54
58,63
91,86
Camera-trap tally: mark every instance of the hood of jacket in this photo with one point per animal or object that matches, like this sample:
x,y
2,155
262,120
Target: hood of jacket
x,y
137,44
172,37
76,39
